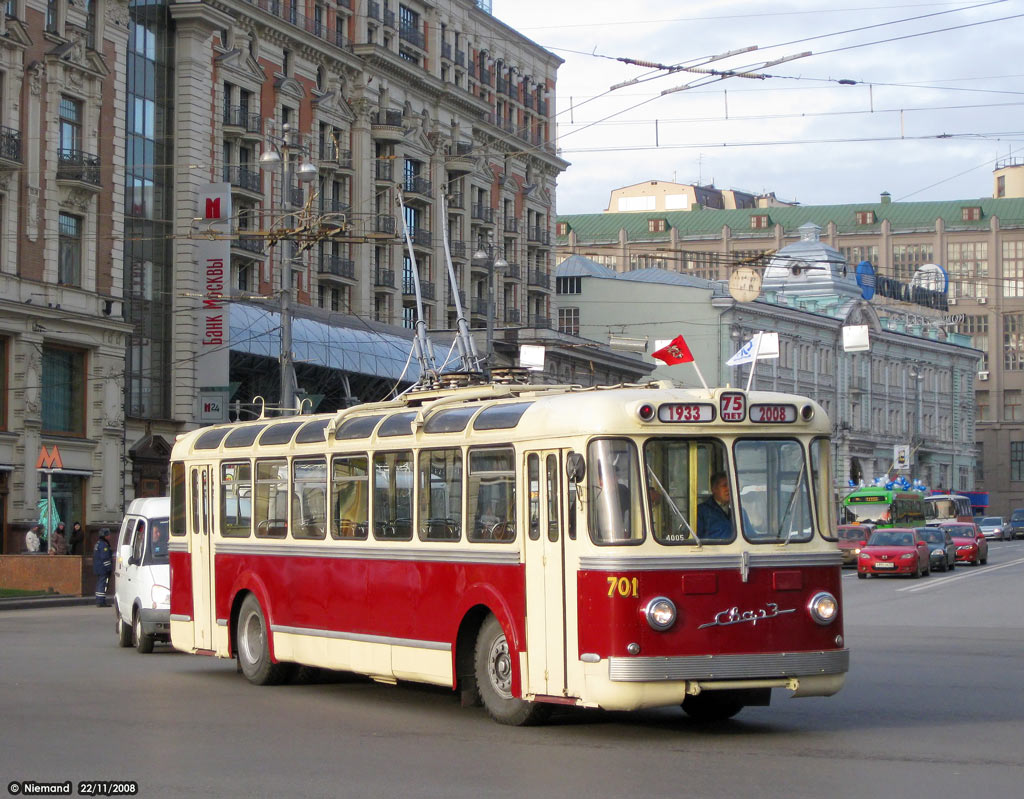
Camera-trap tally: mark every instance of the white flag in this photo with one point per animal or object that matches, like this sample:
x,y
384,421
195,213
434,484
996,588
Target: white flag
x,y
768,348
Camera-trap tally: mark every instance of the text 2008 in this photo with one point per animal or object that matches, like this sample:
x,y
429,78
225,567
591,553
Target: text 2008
x,y
108,788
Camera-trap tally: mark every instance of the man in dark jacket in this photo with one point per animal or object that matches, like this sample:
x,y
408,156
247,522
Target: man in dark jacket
x,y
102,566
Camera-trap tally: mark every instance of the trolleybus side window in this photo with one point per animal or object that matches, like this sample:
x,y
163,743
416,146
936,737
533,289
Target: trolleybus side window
x,y
178,499
309,498
350,497
491,494
271,507
533,491
392,495
774,490
440,495
235,499
196,506
554,513
821,469
615,507
674,486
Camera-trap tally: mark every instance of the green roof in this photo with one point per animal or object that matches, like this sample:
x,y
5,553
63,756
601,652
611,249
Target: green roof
x,y
708,222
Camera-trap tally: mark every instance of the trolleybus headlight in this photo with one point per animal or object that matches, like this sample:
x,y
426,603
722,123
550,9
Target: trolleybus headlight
x,y
646,412
807,413
823,608
660,613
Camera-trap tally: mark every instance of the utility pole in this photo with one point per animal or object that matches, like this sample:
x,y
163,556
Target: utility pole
x,y
285,360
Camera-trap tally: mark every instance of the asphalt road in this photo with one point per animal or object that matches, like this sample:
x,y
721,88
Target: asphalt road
x,y
933,707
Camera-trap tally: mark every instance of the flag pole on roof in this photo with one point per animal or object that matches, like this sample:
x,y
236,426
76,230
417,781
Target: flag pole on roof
x,y
677,351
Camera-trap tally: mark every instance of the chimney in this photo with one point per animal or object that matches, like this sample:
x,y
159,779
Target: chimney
x,y
886,198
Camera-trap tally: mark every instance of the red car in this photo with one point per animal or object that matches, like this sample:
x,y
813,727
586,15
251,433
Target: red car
x,y
851,537
971,544
896,550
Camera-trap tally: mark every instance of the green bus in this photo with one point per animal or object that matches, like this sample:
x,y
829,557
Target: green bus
x,y
883,507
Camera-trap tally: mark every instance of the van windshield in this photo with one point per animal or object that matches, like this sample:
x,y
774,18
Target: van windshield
x,y
156,543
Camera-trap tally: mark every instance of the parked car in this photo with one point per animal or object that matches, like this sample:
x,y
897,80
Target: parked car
x,y
994,527
942,547
1016,523
896,550
142,579
851,537
971,544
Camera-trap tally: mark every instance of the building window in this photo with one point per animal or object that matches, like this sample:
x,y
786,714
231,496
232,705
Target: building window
x,y
1016,460
63,394
865,217
1011,406
1013,341
1013,268
568,285
561,228
970,213
967,265
854,255
70,126
1001,186
69,259
4,358
976,326
656,225
51,15
906,258
569,321
758,221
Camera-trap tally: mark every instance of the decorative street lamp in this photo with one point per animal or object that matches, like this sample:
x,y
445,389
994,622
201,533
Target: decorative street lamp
x,y
488,253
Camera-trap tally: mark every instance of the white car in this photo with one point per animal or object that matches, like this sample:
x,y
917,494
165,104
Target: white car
x,y
142,575
994,527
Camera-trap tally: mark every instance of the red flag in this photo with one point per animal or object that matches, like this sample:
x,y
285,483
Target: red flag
x,y
674,352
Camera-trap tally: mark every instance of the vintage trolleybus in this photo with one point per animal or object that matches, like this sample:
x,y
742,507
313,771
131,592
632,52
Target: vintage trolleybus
x,y
524,545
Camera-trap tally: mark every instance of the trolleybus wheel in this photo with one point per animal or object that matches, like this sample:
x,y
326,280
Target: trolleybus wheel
x,y
124,631
254,647
710,706
143,641
493,668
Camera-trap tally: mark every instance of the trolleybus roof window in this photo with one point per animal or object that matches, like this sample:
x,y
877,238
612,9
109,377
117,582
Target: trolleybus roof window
x,y
312,433
279,433
243,436
398,425
211,438
359,427
452,420
501,417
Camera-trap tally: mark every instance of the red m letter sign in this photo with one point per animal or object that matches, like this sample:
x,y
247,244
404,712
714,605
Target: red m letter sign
x,y
213,207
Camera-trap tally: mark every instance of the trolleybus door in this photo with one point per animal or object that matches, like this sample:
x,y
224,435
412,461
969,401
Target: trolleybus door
x,y
545,574
202,558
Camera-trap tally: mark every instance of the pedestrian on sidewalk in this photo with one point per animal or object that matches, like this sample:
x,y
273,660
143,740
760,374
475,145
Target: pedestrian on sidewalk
x,y
60,541
77,539
102,566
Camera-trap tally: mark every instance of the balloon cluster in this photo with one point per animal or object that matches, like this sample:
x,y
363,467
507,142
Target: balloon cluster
x,y
900,483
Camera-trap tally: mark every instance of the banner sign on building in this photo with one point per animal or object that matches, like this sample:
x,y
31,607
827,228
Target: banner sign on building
x,y
901,456
213,267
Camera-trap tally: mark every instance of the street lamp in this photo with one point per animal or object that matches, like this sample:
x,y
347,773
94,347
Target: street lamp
x,y
917,375
486,252
278,154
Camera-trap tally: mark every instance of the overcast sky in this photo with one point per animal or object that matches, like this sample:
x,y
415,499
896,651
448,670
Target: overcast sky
x,y
801,135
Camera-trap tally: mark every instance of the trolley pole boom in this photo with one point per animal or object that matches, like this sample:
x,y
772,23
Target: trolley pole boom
x,y
424,350
466,344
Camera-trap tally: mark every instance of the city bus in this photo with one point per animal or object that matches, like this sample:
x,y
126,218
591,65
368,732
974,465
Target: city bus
x,y
526,546
883,507
948,508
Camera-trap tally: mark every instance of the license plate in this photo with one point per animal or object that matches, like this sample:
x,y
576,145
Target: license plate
x,y
885,565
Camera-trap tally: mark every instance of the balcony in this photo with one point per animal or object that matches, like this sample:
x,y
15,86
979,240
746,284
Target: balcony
x,y
331,155
446,50
373,10
336,266
511,224
412,36
460,58
538,235
384,170
336,207
384,223
538,278
417,185
421,238
483,214
513,272
538,322
389,19
10,147
456,201
451,298
79,167
528,100
294,195
409,288
457,248
460,157
240,121
251,244
244,178
479,306
501,85
512,316
384,278
387,126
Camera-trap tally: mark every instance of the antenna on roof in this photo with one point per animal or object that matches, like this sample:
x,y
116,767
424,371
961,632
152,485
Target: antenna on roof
x,y
421,345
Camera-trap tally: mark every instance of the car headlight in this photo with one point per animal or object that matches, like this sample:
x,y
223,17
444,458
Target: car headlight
x,y
823,608
865,556
856,551
938,552
660,613
160,595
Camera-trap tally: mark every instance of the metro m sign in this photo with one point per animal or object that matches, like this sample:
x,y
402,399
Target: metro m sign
x,y
49,460
212,208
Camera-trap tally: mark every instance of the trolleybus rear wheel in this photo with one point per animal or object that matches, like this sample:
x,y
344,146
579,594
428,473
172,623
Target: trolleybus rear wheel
x,y
254,647
712,706
493,668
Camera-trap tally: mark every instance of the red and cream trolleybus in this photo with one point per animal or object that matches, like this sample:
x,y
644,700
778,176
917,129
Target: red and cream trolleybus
x,y
525,545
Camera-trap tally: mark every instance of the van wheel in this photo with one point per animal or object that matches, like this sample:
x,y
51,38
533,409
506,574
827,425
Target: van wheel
x,y
124,631
494,668
143,642
253,647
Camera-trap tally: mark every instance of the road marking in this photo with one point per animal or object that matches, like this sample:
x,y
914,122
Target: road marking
x,y
949,580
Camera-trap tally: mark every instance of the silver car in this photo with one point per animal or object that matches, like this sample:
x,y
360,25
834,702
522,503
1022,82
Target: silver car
x,y
994,527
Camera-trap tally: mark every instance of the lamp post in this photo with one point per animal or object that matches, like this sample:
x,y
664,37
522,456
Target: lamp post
x,y
486,252
917,375
278,154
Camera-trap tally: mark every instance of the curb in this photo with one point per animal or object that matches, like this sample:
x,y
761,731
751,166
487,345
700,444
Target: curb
x,y
38,602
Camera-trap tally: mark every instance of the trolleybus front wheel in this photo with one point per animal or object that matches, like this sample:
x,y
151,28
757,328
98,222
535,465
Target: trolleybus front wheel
x,y
710,706
493,668
254,647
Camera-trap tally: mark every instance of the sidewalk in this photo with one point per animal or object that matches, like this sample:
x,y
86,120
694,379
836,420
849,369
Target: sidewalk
x,y
46,601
